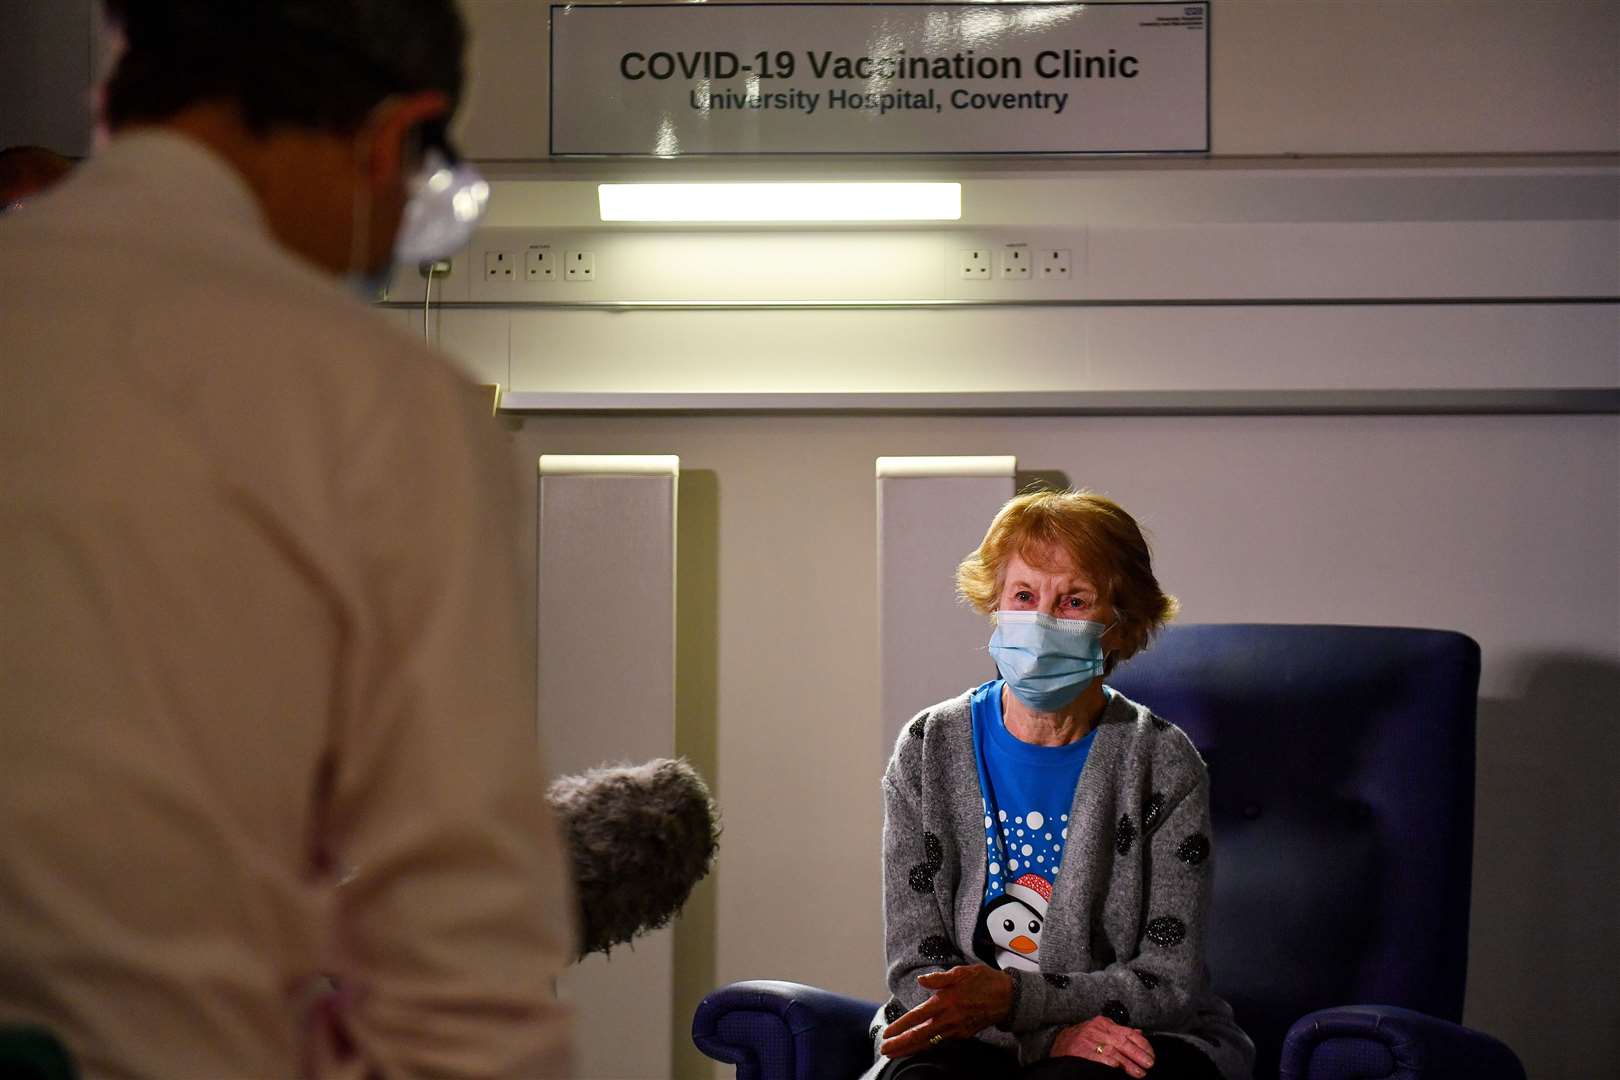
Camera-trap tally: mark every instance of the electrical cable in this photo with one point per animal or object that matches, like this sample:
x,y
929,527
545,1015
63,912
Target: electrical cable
x,y
427,303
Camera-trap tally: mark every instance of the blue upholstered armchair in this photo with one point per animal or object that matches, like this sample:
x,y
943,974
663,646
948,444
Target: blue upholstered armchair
x,y
1342,787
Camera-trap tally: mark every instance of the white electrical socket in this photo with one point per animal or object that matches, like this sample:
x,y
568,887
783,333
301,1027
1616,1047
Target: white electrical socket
x,y
974,264
580,266
539,264
1054,264
1015,261
500,266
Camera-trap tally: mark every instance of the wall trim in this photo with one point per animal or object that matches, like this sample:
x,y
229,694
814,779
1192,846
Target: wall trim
x,y
901,305
1572,401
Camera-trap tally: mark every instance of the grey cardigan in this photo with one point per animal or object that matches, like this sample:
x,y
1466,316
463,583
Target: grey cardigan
x,y
1124,933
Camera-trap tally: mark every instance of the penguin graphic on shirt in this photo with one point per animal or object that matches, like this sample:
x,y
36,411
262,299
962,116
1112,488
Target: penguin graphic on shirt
x,y
1008,934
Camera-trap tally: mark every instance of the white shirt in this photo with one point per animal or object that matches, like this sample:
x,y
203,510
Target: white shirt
x,y
261,617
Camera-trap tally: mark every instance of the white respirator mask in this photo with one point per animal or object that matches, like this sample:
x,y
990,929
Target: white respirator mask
x,y
447,198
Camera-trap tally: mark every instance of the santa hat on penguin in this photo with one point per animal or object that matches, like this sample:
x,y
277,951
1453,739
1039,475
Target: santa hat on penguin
x,y
1034,891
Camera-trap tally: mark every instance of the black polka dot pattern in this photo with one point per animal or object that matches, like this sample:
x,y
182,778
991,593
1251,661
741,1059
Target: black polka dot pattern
x,y
1151,811
936,947
1117,1012
873,1033
1167,931
922,875
893,1011
1148,980
1125,835
1059,981
1194,849
919,727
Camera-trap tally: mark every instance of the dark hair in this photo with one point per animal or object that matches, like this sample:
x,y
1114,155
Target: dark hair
x,y
317,64
25,170
1098,536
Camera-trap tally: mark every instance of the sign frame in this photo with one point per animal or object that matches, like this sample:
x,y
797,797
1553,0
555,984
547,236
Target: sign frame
x,y
551,82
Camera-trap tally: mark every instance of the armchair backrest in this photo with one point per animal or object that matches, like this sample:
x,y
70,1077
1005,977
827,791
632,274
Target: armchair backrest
x,y
1342,789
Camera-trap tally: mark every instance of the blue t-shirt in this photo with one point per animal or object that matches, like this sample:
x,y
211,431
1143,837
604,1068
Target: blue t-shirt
x,y
1027,791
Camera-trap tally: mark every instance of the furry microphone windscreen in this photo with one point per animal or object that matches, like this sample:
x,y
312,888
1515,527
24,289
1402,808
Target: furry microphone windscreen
x,y
639,837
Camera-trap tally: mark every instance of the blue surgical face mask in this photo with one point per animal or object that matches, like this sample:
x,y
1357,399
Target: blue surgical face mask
x,y
1046,661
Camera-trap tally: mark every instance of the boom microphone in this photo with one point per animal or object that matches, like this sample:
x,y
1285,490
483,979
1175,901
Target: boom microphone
x,y
639,838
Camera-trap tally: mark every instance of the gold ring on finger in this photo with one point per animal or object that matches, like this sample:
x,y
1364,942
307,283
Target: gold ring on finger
x,y
1101,1049
936,1040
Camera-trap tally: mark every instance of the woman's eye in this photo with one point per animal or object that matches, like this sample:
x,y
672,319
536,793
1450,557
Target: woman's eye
x,y
1007,925
1024,597
1034,927
1076,602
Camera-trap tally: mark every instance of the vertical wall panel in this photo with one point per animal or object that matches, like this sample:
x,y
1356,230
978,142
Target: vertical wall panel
x,y
606,582
931,512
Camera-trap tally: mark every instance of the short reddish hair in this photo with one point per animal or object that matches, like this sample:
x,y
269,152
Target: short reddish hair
x,y
1102,540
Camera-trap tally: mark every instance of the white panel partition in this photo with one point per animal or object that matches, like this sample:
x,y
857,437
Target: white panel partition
x,y
931,512
606,583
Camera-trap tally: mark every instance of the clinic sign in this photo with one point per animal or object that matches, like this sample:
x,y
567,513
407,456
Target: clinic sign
x,y
667,80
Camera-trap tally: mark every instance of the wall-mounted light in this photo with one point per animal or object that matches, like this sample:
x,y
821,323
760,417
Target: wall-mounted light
x,y
828,202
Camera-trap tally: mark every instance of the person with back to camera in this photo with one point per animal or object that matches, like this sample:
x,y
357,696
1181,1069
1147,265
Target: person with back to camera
x,y
1046,842
265,620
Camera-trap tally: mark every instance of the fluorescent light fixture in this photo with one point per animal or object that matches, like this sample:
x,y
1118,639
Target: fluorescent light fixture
x,y
780,202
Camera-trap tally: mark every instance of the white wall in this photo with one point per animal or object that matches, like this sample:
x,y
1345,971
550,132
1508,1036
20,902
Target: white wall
x,y
1268,273
1506,528
1286,77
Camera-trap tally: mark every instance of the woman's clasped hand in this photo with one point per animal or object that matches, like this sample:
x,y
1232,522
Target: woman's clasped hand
x,y
1100,1039
966,999
963,1001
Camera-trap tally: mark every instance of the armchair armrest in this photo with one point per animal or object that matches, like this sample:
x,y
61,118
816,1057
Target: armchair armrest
x,y
1382,1041
32,1053
785,1031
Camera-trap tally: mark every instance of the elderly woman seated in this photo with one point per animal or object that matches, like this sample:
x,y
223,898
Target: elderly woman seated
x,y
1046,842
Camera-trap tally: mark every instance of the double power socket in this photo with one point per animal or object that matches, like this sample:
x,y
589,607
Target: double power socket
x,y
1014,262
537,263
